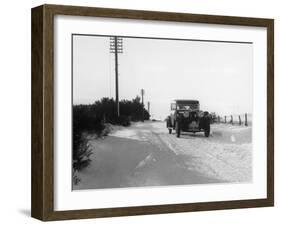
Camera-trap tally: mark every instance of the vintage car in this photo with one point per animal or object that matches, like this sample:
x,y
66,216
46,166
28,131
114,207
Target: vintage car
x,y
186,117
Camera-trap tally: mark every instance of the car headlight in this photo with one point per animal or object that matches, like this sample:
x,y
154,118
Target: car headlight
x,y
186,114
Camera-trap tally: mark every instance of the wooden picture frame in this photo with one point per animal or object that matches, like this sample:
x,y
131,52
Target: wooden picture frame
x,y
42,204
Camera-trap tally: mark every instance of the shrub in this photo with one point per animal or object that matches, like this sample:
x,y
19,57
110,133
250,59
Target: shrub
x,y
81,153
92,117
123,120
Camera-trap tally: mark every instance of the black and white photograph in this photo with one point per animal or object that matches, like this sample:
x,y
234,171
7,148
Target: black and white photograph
x,y
152,111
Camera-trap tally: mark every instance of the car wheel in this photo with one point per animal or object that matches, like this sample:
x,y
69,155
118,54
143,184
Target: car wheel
x,y
178,131
168,122
207,130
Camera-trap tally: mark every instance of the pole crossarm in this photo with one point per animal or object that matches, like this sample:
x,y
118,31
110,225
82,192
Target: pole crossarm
x,y
116,41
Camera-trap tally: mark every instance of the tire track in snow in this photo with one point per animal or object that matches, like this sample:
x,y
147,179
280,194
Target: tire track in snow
x,y
206,156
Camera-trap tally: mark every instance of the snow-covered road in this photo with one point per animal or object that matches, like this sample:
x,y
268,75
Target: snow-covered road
x,y
144,154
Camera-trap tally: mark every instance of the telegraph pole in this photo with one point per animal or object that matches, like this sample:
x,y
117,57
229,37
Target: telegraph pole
x,y
116,46
142,94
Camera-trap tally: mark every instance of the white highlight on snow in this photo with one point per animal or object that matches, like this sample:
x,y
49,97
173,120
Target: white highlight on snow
x,y
148,159
134,132
125,133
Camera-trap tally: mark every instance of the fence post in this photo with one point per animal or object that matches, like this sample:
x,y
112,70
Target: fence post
x,y
246,119
239,120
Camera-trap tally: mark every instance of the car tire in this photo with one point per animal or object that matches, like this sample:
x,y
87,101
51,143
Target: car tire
x,y
178,131
168,124
207,130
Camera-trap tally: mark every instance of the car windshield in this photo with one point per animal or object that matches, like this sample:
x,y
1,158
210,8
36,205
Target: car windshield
x,y
186,107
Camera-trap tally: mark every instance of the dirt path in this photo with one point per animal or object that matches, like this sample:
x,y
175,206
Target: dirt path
x,y
144,154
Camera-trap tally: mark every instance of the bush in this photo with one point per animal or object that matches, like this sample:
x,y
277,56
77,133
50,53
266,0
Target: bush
x,y
92,117
123,120
85,119
81,153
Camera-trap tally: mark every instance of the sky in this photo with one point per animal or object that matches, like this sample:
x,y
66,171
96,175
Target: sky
x,y
218,74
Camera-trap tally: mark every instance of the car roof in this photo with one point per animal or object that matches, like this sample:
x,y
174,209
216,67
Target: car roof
x,y
187,101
